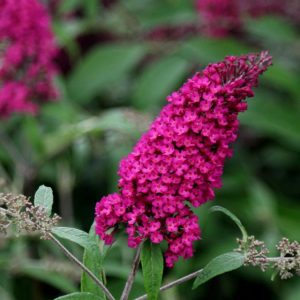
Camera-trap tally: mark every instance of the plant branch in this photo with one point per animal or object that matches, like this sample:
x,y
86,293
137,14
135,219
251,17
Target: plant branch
x,y
195,274
174,283
130,280
82,266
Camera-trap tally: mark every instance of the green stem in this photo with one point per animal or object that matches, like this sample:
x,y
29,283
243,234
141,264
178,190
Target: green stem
x,y
130,280
82,266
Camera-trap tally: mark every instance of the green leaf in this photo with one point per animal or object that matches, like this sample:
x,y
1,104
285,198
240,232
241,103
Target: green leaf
x,y
44,198
79,296
4,294
101,67
113,119
219,265
270,115
74,235
162,13
69,5
41,273
152,265
157,81
233,218
93,259
270,28
283,78
207,50
33,134
92,8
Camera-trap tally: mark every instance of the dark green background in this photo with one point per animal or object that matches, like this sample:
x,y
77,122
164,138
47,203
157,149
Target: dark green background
x,y
114,79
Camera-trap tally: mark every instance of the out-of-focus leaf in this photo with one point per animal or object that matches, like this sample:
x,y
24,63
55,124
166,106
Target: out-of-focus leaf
x,y
219,265
44,198
157,81
93,259
4,295
33,134
272,29
92,8
274,118
292,292
152,265
74,235
100,67
79,296
234,218
66,32
112,269
114,119
160,13
69,5
262,201
206,50
288,219
52,278
284,79
60,113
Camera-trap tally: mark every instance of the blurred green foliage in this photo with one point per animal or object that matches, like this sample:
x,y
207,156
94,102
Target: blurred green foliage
x,y
114,79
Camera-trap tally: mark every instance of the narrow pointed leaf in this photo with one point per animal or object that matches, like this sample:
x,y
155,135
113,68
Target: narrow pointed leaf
x,y
233,218
152,265
219,265
74,235
93,259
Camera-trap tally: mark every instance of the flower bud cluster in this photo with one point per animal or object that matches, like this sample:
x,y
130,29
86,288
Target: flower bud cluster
x,y
17,210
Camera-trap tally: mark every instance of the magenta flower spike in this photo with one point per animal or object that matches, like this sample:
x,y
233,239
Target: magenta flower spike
x,y
180,159
27,50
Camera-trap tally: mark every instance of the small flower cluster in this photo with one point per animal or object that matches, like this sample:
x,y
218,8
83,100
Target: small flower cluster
x,y
27,50
222,17
255,252
287,264
18,210
181,158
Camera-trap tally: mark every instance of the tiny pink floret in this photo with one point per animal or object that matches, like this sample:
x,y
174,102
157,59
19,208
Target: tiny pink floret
x,y
180,159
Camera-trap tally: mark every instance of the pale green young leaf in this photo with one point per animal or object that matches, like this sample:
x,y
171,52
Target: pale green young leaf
x,y
74,235
44,198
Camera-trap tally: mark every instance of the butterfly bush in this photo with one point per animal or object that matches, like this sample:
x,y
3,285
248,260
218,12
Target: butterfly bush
x,y
222,17
27,50
179,162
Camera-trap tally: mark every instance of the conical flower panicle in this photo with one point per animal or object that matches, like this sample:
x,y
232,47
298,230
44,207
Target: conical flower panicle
x,y
181,158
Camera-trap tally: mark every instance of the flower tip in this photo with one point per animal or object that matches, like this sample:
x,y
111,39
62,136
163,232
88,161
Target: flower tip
x,y
265,59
